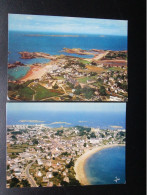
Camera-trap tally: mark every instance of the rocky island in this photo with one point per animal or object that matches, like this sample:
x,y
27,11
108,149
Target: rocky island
x,y
14,65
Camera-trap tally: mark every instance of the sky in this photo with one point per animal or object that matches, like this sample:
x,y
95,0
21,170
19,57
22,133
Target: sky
x,y
69,107
58,24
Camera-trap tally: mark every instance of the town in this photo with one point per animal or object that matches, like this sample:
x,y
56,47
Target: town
x,y
102,77
43,156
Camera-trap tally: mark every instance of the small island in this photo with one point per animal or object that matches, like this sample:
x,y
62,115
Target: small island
x,y
54,123
31,121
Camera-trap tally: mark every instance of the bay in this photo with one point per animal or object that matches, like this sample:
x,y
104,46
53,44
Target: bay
x,y
54,44
105,166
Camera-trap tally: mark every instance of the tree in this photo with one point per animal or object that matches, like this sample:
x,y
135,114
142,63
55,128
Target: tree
x,y
102,135
81,65
25,183
78,90
92,135
65,153
64,183
99,80
102,91
55,174
84,144
94,63
93,73
70,85
88,92
112,72
74,182
35,141
13,137
55,86
70,164
59,132
14,182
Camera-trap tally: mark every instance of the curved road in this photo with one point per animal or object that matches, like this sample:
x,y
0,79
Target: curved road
x,y
30,178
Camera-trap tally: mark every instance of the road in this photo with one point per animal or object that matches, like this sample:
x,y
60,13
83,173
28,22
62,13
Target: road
x,y
30,178
98,57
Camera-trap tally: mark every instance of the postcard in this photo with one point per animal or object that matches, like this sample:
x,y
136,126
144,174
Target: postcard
x,y
70,144
52,58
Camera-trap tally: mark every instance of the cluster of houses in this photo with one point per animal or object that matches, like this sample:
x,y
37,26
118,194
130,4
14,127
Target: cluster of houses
x,y
52,153
71,74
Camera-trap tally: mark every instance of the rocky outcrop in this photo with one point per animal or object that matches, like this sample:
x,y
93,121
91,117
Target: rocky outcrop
x,y
17,63
30,55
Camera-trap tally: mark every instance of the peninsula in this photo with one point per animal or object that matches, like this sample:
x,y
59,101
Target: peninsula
x,y
100,77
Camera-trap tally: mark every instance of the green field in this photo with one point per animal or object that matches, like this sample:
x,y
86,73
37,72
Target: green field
x,y
42,93
84,61
59,77
83,80
21,90
115,69
17,148
26,93
98,84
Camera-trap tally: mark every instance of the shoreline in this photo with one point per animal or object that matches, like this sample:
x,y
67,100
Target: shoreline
x,y
35,72
80,162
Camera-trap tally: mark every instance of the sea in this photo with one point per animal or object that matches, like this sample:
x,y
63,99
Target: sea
x,y
102,167
40,42
105,166
96,119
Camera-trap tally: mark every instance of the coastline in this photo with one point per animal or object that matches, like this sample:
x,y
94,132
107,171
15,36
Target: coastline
x,y
80,162
35,72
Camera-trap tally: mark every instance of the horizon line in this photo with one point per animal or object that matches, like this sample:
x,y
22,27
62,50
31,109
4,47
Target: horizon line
x,y
66,33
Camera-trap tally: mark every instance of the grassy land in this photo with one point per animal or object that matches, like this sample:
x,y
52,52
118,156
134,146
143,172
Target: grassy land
x,y
115,69
83,79
17,148
42,92
21,90
84,61
59,77
98,84
26,93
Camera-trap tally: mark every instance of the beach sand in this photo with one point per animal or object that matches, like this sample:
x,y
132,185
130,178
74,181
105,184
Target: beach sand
x,y
80,163
35,72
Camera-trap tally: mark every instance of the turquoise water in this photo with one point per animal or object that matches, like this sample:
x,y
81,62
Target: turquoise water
x,y
17,72
102,167
53,45
20,41
34,61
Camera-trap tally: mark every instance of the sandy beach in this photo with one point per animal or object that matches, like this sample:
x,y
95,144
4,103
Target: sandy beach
x,y
80,162
35,72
